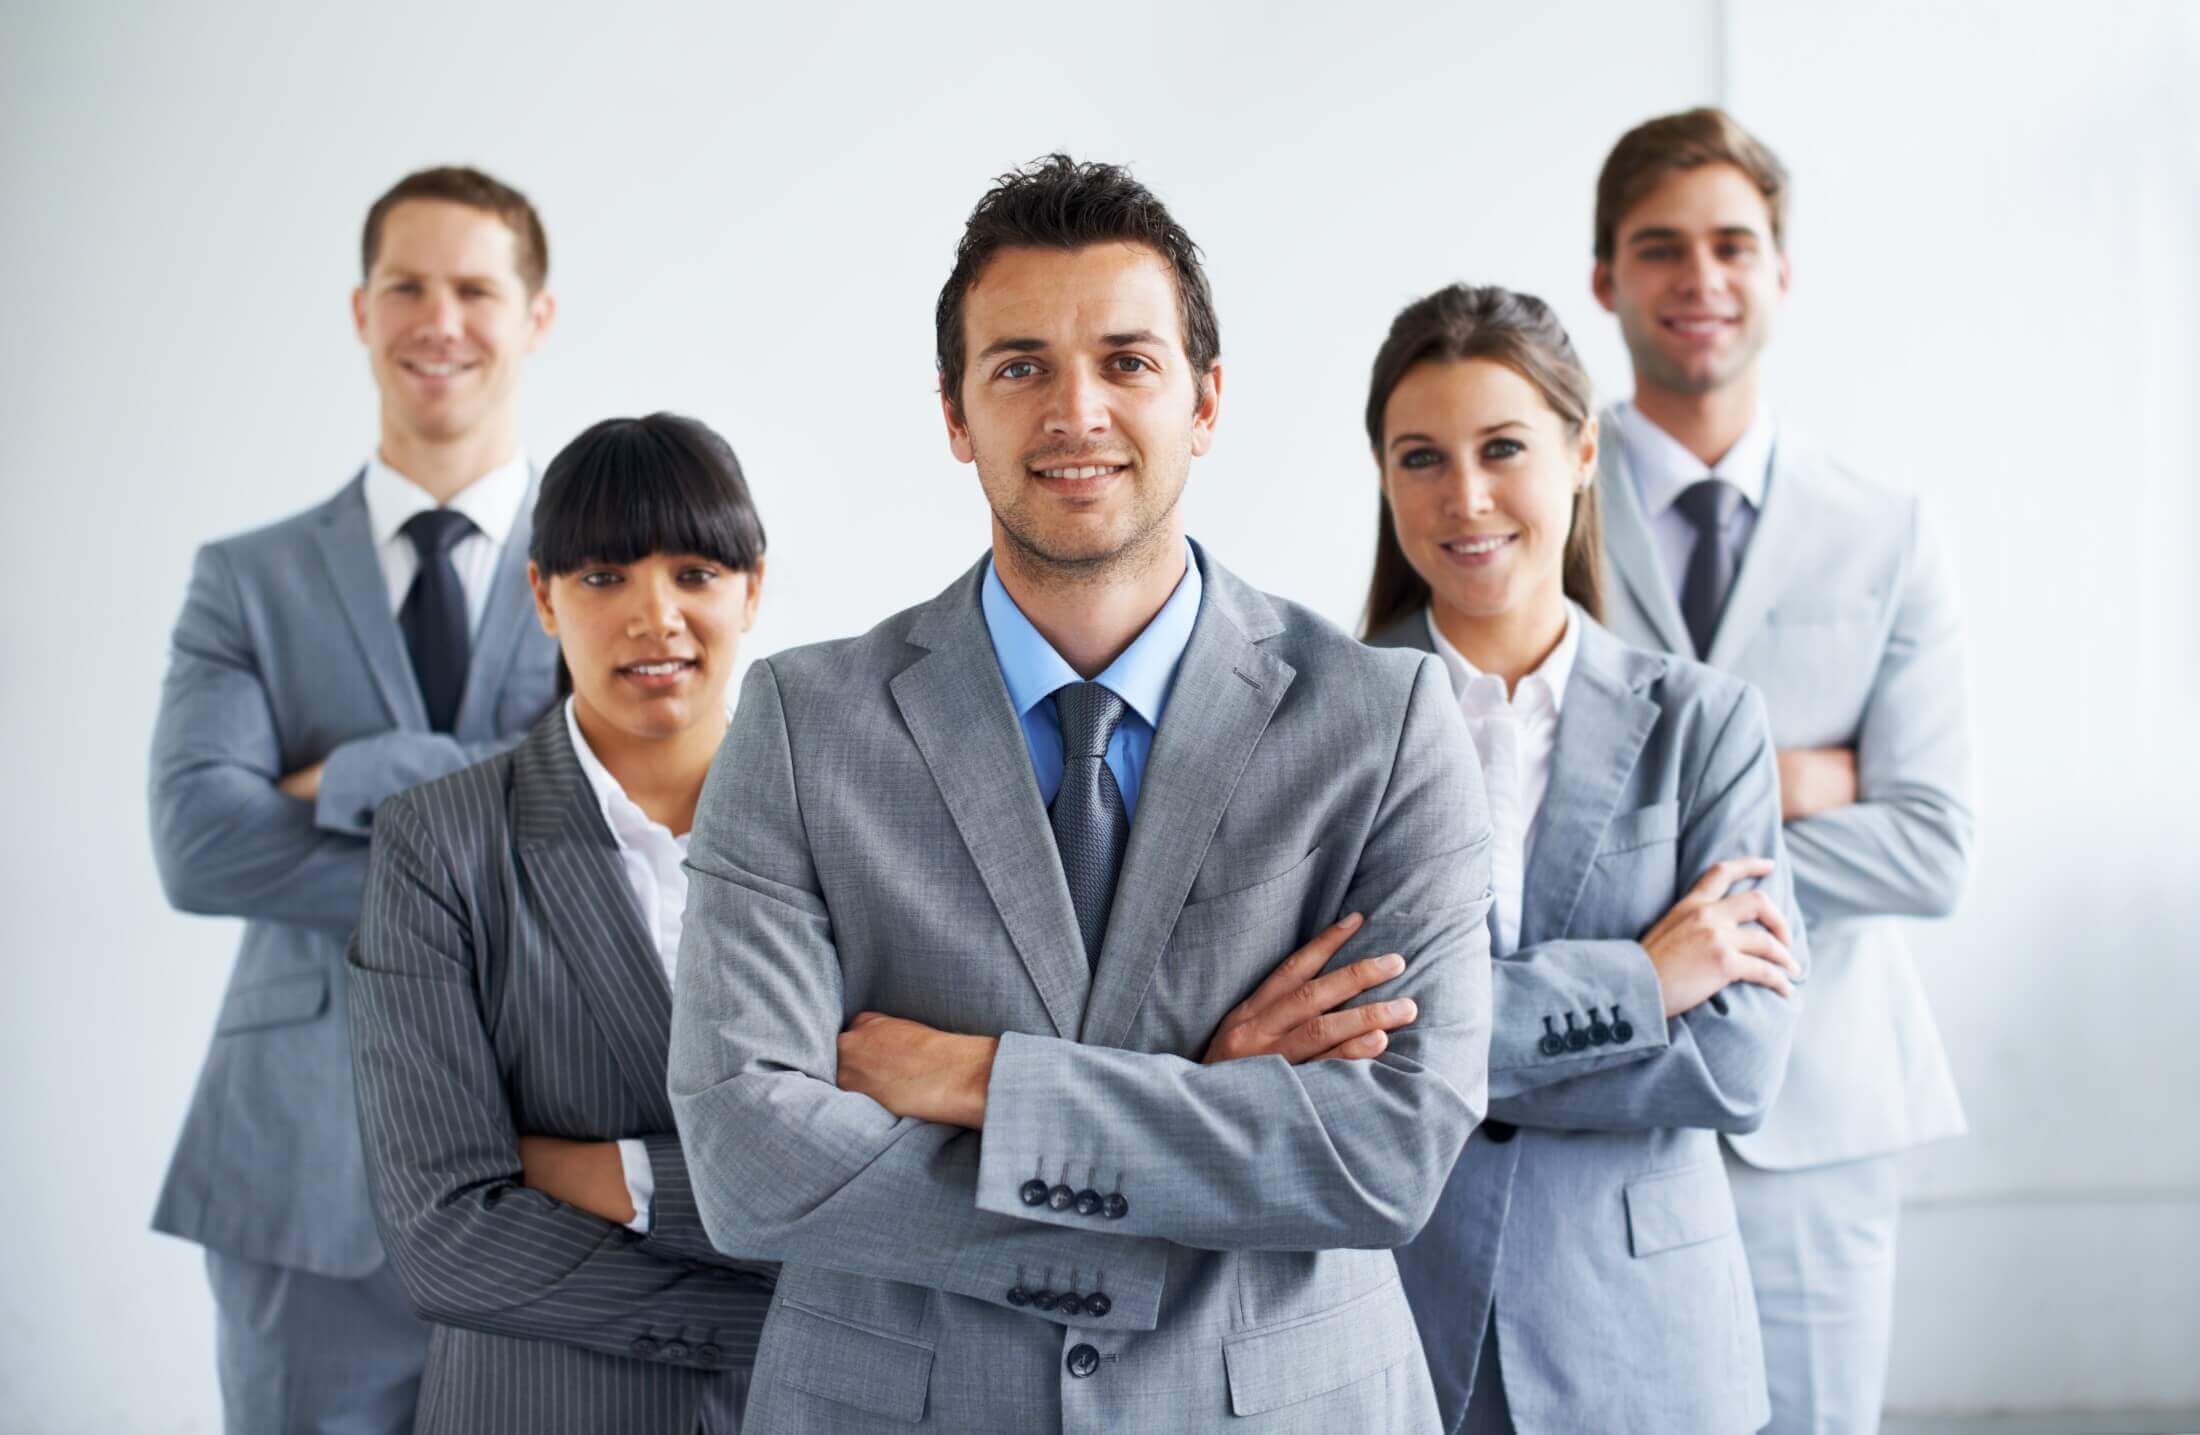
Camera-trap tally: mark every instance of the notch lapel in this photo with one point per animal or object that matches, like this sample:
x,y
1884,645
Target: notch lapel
x,y
965,726
1631,547
570,864
1225,691
1601,730
1767,564
504,621
346,541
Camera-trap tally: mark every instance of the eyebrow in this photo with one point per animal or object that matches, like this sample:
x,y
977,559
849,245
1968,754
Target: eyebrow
x,y
1724,231
1484,433
1135,336
1013,346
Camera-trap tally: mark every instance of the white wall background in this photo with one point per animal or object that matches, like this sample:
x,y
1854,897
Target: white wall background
x,y
751,210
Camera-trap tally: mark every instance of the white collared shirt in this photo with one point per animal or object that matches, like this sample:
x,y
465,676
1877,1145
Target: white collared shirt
x,y
491,501
1514,737
1663,467
650,856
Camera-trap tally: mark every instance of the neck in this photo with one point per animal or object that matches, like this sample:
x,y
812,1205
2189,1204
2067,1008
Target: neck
x,y
1091,617
663,776
1707,424
1511,644
446,466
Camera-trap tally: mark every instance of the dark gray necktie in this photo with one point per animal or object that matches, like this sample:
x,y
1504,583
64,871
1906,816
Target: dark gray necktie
x,y
1708,504
1090,826
433,615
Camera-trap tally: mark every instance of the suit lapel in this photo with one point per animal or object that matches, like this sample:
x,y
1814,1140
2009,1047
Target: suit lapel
x,y
1767,564
1601,730
570,864
346,541
959,712
1225,691
504,621
1631,547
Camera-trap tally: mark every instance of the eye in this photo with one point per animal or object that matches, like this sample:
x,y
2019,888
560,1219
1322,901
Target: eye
x,y
699,576
1737,249
602,578
1016,369
1131,364
1498,449
477,291
1420,458
1656,253
406,286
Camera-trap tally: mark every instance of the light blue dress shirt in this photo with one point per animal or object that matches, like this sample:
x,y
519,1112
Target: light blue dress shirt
x,y
1141,677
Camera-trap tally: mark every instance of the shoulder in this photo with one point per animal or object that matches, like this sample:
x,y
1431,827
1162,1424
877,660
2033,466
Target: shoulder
x,y
271,544
1844,498
464,816
841,667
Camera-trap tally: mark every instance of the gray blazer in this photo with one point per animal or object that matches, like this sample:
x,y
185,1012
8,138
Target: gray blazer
x,y
1590,1216
502,981
285,654
872,837
1844,616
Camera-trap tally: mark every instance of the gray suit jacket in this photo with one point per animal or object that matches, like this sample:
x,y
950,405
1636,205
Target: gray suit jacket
x,y
286,654
502,982
1590,1216
1844,616
873,837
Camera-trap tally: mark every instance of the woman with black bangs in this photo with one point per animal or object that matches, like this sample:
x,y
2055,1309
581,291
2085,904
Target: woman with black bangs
x,y
511,980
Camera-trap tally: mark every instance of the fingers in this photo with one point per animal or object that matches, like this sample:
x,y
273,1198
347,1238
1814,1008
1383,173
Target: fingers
x,y
1331,1030
1359,1048
1751,943
1720,877
1332,990
1759,972
1291,973
1754,906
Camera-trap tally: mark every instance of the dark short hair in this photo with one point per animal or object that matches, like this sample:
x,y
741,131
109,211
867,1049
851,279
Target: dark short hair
x,y
459,184
1468,321
628,488
1057,203
1650,151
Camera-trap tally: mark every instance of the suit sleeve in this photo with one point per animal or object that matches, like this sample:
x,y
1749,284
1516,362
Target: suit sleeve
x,y
1259,1154
785,1165
363,773
473,1246
226,840
1718,1065
1904,847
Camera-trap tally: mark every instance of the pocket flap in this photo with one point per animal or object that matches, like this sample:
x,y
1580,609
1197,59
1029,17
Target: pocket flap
x,y
1659,822
1679,1208
830,1358
1277,1367
276,1003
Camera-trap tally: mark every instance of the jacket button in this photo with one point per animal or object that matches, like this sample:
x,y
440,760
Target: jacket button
x,y
1117,1206
1576,1038
1083,1361
1088,1202
1032,1192
1019,1297
676,1350
643,1346
1044,1300
1599,1033
1058,1199
1097,1304
1551,1043
1071,1304
1499,1131
708,1355
1623,1031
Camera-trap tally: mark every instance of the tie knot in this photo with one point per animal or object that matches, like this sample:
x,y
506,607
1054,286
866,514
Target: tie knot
x,y
435,531
1089,713
1708,503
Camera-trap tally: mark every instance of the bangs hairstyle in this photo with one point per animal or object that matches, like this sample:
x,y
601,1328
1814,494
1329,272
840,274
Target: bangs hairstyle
x,y
628,488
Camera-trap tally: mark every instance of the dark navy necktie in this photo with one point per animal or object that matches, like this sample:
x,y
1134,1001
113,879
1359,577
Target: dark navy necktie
x,y
433,615
1091,828
1708,504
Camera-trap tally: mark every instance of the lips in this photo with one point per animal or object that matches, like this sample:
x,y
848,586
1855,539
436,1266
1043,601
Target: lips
x,y
656,674
1697,326
1081,472
437,368
1476,550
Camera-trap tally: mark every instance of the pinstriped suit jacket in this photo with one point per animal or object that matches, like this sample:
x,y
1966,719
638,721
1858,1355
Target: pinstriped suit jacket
x,y
502,983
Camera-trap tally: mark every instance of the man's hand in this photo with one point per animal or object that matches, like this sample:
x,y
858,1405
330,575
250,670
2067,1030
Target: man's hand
x,y
917,1071
1300,1015
1706,943
305,783
587,1174
1815,780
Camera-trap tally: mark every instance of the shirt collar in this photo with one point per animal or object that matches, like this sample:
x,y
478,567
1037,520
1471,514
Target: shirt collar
x,y
1141,676
491,501
1663,466
1550,675
625,818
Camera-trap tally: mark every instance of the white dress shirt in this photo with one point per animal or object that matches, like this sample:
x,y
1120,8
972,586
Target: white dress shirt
x,y
1663,467
650,856
491,501
1513,737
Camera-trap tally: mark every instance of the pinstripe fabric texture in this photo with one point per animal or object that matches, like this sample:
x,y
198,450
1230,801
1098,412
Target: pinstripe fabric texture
x,y
502,983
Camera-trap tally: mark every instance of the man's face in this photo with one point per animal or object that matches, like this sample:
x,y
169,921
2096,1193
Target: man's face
x,y
1079,407
1695,279
447,319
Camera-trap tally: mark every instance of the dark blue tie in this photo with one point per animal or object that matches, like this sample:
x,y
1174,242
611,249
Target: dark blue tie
x,y
1708,504
433,615
1090,827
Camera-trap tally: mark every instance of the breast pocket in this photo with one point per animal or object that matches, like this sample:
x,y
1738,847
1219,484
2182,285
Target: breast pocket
x,y
1224,945
1634,876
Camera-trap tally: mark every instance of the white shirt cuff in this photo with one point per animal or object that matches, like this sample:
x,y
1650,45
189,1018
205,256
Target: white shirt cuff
x,y
641,1182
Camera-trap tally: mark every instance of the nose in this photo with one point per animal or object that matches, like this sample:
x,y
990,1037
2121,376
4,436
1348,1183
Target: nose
x,y
1077,406
1473,495
656,612
1703,273
445,315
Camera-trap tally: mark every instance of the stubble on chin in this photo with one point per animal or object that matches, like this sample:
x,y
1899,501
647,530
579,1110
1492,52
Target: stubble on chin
x,y
1041,558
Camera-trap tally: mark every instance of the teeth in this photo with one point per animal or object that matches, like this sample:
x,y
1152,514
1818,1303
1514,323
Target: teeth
x,y
434,371
1092,472
656,670
1479,545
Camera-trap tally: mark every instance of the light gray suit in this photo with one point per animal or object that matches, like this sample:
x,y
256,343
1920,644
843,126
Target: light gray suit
x,y
502,982
872,837
286,653
1590,1217
1844,616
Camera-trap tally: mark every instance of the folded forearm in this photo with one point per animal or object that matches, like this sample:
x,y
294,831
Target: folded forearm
x,y
228,844
1905,858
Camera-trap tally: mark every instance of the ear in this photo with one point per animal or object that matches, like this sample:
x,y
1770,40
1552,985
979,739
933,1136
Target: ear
x,y
540,587
958,434
1787,273
756,594
359,312
1600,283
1588,455
1210,407
542,314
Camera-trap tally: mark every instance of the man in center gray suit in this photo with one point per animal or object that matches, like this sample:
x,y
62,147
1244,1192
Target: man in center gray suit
x,y
971,894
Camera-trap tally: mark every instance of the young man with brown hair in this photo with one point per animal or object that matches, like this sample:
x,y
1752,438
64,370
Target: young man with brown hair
x,y
320,665
1735,541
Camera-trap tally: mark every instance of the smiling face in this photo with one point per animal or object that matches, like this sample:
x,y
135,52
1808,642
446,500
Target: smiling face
x,y
1079,407
1695,279
447,320
1480,474
650,644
